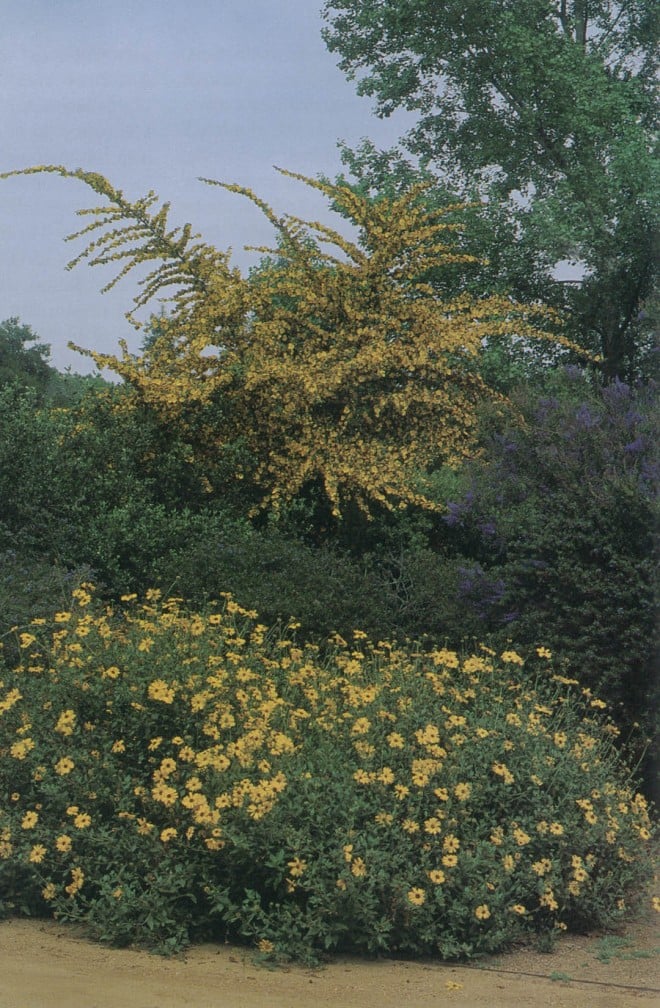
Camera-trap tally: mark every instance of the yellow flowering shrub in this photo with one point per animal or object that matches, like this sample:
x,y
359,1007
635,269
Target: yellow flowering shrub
x,y
227,783
335,364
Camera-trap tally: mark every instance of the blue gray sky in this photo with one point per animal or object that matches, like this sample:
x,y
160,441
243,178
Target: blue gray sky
x,y
154,94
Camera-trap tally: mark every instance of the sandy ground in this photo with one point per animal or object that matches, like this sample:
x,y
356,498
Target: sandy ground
x,y
47,965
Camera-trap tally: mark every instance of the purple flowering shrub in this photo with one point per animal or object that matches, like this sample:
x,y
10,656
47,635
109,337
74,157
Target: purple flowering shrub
x,y
558,532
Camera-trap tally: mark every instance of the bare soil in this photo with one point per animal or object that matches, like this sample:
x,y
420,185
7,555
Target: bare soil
x,y
44,964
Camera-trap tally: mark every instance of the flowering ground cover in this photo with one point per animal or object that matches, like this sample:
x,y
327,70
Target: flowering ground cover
x,y
169,776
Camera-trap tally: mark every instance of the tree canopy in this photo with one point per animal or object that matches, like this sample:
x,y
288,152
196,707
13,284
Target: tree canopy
x,y
22,358
546,106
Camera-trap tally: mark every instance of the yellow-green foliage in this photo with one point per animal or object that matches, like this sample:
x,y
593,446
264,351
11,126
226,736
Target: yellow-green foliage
x,y
167,775
337,363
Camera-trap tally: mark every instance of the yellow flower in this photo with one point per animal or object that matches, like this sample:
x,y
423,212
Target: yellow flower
x,y
518,908
29,820
82,820
456,721
49,892
26,640
63,843
62,617
212,844
64,766
167,767
482,912
77,880
542,867
521,837
463,791
543,652
450,860
118,747
19,750
429,735
66,722
159,690
432,825
410,826
450,844
168,834
297,867
556,829
265,946
417,897
503,771
437,876
443,657
358,868
37,854
511,658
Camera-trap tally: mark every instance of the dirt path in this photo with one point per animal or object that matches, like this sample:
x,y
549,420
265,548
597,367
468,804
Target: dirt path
x,y
46,965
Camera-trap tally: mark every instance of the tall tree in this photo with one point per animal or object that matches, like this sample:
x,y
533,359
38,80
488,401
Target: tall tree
x,y
334,366
546,108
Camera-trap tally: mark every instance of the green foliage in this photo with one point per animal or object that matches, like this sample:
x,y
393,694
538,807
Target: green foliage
x,y
28,452
20,363
546,110
72,479
28,367
168,775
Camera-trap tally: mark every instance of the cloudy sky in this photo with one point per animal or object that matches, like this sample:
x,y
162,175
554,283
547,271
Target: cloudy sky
x,y
154,94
